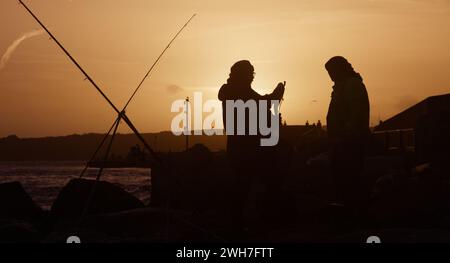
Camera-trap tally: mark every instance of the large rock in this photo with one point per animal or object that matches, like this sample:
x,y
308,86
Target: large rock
x,y
15,203
108,198
191,180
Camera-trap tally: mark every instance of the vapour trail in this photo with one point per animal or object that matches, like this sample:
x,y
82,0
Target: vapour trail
x,y
5,58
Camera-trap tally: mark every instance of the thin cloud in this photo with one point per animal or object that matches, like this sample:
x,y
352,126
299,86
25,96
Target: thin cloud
x,y
5,58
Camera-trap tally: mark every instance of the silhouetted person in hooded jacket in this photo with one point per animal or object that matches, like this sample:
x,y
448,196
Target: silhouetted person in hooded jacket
x,y
248,159
348,129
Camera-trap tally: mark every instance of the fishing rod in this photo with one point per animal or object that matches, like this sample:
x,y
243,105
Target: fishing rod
x,y
117,121
71,58
138,87
157,60
134,93
121,114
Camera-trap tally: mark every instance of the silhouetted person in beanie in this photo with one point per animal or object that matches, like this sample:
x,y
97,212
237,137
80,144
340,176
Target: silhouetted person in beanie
x,y
247,158
348,129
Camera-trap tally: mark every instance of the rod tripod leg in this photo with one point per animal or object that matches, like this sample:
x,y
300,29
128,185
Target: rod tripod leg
x,y
97,150
108,150
105,159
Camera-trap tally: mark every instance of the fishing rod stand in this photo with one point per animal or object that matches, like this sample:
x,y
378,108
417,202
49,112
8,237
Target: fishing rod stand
x,y
113,129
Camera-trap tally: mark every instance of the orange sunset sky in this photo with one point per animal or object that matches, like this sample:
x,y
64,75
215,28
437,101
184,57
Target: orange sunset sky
x,y
400,47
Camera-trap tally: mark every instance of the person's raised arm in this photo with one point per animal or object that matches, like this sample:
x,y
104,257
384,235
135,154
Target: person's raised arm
x,y
277,94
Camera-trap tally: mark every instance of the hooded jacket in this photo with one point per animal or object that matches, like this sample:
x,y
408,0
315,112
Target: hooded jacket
x,y
244,144
349,110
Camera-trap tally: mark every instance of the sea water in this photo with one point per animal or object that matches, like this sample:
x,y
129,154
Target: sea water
x,y
44,180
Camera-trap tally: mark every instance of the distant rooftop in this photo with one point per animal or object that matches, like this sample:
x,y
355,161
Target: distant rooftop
x,y
408,118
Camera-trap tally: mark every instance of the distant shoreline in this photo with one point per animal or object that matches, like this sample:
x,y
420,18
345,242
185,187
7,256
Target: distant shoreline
x,y
81,147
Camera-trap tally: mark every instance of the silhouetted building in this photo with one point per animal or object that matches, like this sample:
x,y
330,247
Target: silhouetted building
x,y
408,118
401,130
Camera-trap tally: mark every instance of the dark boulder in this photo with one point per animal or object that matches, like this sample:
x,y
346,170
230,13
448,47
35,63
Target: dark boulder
x,y
107,198
192,180
15,203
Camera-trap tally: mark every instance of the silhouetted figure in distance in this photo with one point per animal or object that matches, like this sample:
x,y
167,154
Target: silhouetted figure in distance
x,y
247,158
348,130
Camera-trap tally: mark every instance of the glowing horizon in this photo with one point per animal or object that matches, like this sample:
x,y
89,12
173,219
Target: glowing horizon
x,y
400,49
